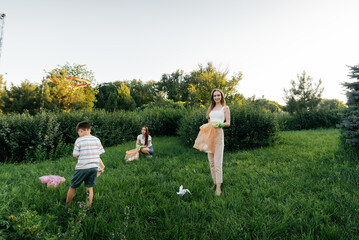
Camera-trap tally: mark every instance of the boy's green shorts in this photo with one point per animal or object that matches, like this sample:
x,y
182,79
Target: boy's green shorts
x,y
84,175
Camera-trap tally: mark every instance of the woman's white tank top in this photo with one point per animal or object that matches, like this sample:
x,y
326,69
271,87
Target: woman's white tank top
x,y
217,115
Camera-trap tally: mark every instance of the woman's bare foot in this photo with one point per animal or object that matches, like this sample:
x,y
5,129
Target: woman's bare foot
x,y
218,189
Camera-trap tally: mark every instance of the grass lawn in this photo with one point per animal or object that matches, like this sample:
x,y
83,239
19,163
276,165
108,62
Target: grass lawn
x,y
300,188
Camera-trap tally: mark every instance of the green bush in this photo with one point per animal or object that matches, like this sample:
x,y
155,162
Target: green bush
x,y
322,118
24,137
161,121
115,127
50,135
163,103
190,123
250,127
111,127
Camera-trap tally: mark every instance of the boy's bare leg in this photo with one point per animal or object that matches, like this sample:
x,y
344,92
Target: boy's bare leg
x,y
89,192
70,195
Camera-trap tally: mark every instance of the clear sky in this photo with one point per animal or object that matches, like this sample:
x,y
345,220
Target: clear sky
x,y
269,41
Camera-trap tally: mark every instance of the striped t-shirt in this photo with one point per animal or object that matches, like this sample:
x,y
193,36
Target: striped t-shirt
x,y
88,150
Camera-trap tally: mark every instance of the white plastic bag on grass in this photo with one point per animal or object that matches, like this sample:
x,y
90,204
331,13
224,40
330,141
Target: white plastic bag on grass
x,y
183,191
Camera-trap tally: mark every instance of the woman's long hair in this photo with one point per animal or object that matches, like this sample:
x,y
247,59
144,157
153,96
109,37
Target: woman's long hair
x,y
213,103
146,134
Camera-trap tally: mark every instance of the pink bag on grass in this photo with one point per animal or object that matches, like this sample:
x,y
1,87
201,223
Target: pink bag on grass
x,y
52,180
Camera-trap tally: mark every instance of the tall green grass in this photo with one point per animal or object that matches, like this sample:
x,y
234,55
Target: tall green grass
x,y
301,188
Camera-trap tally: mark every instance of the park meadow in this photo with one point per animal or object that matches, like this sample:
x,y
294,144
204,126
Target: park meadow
x,y
289,172
303,187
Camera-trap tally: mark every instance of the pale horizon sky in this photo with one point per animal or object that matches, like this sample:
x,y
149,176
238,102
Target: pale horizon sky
x,y
269,41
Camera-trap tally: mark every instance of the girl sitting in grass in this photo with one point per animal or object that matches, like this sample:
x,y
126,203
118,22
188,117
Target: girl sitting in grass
x,y
144,140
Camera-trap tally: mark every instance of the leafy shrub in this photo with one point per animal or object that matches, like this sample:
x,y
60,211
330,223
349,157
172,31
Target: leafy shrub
x,y
111,127
161,121
322,118
115,127
68,121
26,137
163,103
190,123
250,127
50,135
28,225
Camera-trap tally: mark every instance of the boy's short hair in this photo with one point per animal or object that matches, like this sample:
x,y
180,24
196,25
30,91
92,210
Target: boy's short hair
x,y
83,125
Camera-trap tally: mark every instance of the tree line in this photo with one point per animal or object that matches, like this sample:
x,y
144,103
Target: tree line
x,y
60,92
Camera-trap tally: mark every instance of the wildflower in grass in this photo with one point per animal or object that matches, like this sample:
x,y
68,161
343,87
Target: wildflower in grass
x,y
127,216
127,210
75,222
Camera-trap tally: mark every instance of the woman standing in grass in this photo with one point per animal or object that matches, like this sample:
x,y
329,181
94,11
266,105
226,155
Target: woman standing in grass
x,y
219,114
144,141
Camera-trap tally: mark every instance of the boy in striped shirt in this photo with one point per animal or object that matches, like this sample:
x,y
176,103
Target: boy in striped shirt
x,y
87,150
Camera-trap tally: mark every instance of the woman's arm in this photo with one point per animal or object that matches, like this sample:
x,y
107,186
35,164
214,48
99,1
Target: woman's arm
x,y
228,116
138,142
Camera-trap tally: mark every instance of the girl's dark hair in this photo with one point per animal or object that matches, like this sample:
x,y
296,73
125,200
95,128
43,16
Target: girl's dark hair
x,y
146,134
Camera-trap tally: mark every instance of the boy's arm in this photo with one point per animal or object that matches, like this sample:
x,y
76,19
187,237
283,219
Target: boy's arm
x,y
76,151
100,149
101,164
